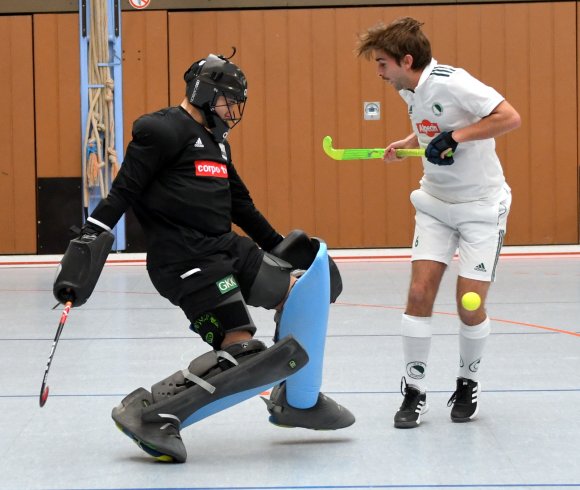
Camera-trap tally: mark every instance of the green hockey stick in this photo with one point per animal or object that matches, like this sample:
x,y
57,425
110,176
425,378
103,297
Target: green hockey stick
x,y
365,153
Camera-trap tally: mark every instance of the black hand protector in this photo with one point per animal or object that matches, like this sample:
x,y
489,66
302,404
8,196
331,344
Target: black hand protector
x,y
438,145
81,265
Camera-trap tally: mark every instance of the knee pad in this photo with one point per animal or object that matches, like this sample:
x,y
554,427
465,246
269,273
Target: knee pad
x,y
220,379
305,316
300,250
271,284
228,315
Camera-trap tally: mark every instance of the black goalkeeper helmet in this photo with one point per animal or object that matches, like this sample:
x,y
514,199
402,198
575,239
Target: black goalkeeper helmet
x,y
208,79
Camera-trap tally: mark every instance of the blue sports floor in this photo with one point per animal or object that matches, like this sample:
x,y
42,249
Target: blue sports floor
x,y
527,434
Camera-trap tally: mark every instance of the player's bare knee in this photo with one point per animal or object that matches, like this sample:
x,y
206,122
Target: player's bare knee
x,y
420,300
472,318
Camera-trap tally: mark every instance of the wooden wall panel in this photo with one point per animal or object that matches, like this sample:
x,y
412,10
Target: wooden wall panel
x,y
323,108
305,83
145,65
58,116
544,178
388,214
302,205
276,117
249,138
17,172
57,95
578,109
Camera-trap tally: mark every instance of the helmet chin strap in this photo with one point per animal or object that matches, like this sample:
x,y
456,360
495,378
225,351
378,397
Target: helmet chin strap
x,y
216,125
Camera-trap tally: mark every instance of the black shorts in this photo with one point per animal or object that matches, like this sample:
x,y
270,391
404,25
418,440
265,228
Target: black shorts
x,y
199,284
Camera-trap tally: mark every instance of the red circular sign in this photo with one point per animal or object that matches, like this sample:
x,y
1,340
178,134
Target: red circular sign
x,y
139,4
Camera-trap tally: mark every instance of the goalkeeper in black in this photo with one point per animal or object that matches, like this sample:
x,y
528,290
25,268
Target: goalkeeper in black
x,y
179,179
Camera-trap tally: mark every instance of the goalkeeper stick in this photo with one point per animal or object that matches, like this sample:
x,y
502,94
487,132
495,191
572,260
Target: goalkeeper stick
x,y
44,386
365,153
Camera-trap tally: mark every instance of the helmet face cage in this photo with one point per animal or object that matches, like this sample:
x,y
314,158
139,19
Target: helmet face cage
x,y
234,107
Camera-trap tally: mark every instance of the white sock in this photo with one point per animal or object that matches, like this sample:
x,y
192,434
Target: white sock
x,y
471,344
416,334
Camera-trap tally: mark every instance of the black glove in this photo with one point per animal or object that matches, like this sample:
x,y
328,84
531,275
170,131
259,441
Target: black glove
x,y
438,145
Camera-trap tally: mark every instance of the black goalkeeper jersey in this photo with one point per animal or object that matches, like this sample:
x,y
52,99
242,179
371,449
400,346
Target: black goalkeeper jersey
x,y
184,190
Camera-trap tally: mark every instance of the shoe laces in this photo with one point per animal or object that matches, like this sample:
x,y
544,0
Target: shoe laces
x,y
463,394
410,395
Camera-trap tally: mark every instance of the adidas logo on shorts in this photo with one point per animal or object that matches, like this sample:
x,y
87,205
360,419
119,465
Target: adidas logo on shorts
x,y
480,268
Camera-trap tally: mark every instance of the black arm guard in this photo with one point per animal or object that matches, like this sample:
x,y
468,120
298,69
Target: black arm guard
x,y
300,250
81,266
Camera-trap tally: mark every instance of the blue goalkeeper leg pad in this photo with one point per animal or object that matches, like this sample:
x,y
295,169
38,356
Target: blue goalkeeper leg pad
x,y
298,402
305,317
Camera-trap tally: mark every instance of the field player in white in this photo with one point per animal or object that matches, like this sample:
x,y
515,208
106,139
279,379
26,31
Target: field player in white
x,y
462,203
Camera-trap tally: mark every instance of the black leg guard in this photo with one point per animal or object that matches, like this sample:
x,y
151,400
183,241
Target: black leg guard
x,y
213,382
204,367
250,377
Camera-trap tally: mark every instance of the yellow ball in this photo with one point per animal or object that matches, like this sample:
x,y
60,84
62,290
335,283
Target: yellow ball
x,y
471,301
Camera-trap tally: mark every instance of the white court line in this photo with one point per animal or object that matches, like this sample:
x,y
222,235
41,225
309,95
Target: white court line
x,y
341,255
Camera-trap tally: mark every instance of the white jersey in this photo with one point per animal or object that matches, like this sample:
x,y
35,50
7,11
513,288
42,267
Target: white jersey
x,y
446,99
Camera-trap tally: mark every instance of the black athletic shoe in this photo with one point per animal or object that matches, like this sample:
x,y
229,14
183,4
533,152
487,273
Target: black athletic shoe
x,y
414,405
325,415
465,400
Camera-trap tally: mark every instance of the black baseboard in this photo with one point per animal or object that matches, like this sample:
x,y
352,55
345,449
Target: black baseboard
x,y
59,201
60,206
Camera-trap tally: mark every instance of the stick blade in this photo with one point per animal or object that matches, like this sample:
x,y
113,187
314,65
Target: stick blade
x,y
328,149
350,153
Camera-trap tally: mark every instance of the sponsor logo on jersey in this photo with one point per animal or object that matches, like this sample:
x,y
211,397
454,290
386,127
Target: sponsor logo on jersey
x,y
226,284
199,143
206,168
429,128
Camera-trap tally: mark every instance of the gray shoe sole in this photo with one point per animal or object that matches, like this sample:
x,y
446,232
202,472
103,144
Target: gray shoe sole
x,y
411,424
325,415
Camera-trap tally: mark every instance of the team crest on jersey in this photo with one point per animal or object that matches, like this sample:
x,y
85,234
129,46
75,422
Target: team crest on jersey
x,y
429,128
437,109
206,168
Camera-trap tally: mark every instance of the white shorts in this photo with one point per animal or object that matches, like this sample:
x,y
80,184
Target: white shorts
x,y
475,229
